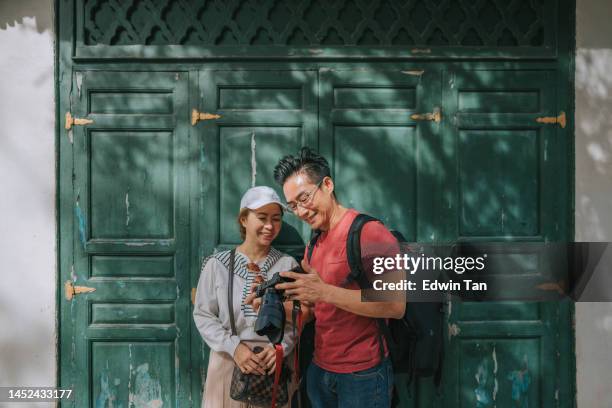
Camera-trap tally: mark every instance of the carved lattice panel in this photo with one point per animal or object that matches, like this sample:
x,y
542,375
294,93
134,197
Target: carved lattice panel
x,y
320,23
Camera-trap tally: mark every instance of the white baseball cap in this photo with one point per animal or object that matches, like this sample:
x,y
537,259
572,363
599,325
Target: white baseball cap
x,y
257,197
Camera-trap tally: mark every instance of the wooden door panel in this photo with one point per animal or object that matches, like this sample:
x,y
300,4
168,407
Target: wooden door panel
x,y
492,358
362,172
131,342
263,116
376,149
238,145
142,162
509,180
508,163
386,162
498,183
140,385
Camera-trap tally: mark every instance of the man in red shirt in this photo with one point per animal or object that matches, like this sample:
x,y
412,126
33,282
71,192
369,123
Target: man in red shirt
x,y
350,366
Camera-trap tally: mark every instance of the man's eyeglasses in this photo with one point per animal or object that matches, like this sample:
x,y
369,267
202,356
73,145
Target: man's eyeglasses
x,y
304,199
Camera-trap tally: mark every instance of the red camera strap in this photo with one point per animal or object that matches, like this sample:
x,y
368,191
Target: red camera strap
x,y
277,372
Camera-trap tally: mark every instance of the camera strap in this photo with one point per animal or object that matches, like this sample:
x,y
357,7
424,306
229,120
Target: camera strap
x,y
277,372
296,318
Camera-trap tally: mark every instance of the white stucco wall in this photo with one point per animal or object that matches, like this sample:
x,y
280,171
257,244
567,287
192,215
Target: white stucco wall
x,y
27,202
594,190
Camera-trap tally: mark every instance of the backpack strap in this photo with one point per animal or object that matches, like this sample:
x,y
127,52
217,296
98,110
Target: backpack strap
x,y
357,274
353,251
314,237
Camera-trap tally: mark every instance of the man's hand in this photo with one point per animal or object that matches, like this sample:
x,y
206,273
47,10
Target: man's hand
x,y
247,361
308,287
255,302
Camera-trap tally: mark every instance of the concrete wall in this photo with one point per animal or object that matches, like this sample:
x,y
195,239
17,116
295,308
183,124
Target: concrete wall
x,y
27,202
594,190
27,207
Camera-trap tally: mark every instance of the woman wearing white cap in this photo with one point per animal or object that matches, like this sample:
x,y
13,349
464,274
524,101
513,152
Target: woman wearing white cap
x,y
254,261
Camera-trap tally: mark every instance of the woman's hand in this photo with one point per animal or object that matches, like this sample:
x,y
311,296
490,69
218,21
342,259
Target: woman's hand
x,y
247,361
268,359
255,302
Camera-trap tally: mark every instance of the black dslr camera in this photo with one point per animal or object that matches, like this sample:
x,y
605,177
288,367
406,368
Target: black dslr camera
x,y
271,318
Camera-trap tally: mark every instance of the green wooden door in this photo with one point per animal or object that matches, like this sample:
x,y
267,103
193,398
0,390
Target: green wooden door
x,y
382,155
510,183
263,115
130,337
387,155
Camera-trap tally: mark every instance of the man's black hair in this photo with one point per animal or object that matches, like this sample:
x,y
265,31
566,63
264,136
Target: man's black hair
x,y
306,161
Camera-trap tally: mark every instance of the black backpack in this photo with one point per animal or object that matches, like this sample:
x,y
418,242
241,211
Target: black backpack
x,y
416,340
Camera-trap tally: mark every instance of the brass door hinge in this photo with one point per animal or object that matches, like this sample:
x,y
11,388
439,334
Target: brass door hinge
x,y
198,116
193,293
417,72
558,287
551,120
436,116
70,121
72,291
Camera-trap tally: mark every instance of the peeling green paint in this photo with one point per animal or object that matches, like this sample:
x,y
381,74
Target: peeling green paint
x,y
107,398
521,380
147,391
81,221
482,393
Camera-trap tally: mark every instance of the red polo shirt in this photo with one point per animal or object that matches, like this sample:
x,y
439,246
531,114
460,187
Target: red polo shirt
x,y
344,342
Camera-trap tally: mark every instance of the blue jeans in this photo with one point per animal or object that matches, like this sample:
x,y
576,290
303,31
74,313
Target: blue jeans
x,y
369,388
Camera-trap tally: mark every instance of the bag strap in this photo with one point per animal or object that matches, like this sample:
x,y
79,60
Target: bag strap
x,y
278,347
353,250
230,291
314,237
357,274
